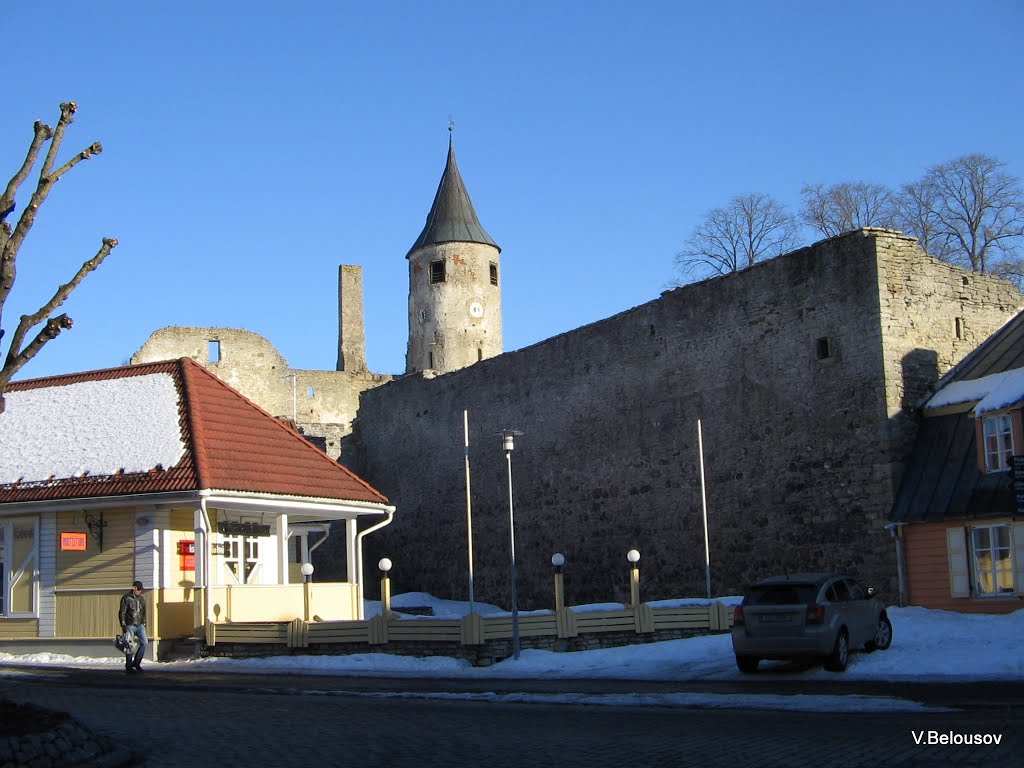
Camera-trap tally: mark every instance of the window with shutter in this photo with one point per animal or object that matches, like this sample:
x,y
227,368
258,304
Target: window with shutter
x,y
992,560
959,575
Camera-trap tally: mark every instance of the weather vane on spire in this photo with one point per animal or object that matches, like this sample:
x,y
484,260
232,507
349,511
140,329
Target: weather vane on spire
x,y
451,124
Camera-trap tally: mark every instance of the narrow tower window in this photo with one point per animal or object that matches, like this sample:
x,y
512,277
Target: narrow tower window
x,y
823,349
437,271
213,351
494,273
958,328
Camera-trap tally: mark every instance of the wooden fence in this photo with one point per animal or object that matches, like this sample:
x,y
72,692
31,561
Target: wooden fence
x,y
482,639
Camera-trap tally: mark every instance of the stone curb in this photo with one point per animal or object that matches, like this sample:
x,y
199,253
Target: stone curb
x,y
68,744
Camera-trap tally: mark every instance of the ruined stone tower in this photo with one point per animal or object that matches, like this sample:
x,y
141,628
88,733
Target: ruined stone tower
x,y
454,291
351,328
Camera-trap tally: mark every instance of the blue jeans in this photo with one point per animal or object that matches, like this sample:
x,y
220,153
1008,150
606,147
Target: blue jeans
x,y
139,633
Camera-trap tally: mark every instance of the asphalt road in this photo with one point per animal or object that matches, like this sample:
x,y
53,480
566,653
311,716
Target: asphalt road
x,y
179,719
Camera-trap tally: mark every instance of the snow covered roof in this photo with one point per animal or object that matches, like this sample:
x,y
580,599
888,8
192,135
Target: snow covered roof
x,y
991,393
89,427
159,427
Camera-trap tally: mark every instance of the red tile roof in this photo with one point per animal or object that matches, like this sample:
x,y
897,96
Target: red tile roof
x,y
231,445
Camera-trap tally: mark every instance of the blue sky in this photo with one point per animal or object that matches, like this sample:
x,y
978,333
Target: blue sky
x,y
250,147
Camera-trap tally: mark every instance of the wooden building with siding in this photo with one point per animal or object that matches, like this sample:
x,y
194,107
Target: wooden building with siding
x,y
958,518
163,473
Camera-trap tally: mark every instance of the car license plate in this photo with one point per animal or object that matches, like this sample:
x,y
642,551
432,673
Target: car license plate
x,y
776,618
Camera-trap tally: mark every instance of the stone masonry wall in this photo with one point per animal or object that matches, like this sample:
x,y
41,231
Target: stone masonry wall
x,y
322,403
454,323
932,315
801,370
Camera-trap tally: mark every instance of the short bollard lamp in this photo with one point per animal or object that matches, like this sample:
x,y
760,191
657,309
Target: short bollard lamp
x,y
306,569
634,577
558,560
385,586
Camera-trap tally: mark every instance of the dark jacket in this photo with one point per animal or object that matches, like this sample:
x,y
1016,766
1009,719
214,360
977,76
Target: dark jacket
x,y
132,611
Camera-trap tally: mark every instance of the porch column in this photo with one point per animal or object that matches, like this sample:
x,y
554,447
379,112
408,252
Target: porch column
x,y
350,550
282,549
201,592
351,566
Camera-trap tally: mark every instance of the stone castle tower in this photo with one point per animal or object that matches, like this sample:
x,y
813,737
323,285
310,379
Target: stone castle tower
x,y
454,292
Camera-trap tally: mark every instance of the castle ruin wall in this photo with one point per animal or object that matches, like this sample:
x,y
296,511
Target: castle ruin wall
x,y
321,403
803,371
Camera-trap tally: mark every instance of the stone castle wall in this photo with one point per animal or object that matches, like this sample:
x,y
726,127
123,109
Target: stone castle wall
x,y
801,370
321,403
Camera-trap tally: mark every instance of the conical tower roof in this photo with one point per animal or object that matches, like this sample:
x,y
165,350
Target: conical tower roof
x,y
452,218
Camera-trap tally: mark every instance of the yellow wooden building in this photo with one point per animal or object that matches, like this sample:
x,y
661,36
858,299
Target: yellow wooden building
x,y
163,473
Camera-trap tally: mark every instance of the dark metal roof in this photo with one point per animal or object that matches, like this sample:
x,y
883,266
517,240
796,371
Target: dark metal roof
x,y
452,218
943,480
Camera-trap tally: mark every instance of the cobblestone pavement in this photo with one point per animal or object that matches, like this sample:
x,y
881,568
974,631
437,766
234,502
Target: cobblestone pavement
x,y
252,721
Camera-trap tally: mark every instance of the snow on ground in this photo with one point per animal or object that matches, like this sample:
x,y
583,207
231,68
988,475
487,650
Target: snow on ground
x,y
927,646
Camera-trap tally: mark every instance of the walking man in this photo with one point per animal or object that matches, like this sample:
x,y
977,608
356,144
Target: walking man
x,y
132,617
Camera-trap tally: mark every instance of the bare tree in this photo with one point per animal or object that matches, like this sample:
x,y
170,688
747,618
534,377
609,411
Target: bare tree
x,y
839,208
973,210
914,207
11,239
751,228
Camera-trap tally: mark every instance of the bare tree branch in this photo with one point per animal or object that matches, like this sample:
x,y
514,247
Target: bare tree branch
x,y
67,116
11,239
16,356
842,207
44,184
977,207
751,228
914,207
43,133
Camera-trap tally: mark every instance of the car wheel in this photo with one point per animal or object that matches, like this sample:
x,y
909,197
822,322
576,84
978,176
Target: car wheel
x,y
836,662
747,664
883,635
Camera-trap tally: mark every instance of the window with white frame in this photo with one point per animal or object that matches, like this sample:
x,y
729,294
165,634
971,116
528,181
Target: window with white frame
x,y
242,558
992,560
19,571
986,560
998,435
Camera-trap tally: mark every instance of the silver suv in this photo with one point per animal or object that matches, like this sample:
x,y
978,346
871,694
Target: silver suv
x,y
808,616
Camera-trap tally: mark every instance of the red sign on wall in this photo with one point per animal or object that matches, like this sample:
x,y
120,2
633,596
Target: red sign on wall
x,y
73,542
187,554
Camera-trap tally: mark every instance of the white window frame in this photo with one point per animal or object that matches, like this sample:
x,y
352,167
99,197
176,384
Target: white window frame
x,y
245,554
991,561
12,572
965,570
997,433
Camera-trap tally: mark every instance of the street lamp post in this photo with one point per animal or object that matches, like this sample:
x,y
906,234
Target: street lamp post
x,y
558,560
385,587
306,569
634,578
508,437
